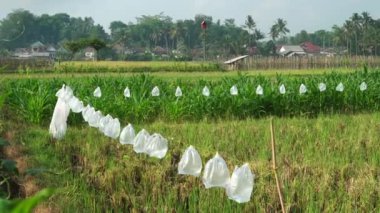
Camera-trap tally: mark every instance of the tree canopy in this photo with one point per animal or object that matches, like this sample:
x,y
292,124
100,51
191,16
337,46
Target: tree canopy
x,y
359,34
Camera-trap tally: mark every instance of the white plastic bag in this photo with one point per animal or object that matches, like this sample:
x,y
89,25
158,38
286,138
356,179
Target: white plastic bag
x,y
104,121
94,117
303,89
157,146
127,92
259,90
155,91
322,87
190,163
112,129
75,104
240,186
85,112
363,86
65,93
127,135
340,87
206,91
178,92
216,173
58,124
234,90
282,89
98,92
140,141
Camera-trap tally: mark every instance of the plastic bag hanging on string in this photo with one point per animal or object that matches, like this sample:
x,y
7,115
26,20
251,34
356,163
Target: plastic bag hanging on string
x,y
97,92
234,90
58,124
216,173
190,163
65,93
240,186
259,90
127,92
140,141
127,135
322,87
282,89
303,89
363,86
340,87
205,91
155,91
112,129
94,117
178,92
103,122
157,146
85,113
76,105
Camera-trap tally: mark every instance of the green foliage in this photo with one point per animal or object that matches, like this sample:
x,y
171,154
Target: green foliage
x,y
25,205
34,99
75,46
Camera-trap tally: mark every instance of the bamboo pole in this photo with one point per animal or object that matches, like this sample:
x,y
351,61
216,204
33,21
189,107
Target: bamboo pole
x,y
274,166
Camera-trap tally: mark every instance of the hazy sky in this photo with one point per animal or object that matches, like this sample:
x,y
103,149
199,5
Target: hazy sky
x,y
310,15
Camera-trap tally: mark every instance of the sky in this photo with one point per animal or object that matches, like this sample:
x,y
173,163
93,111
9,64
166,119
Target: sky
x,y
309,15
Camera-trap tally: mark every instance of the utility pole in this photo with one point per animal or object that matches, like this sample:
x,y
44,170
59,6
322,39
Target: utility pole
x,y
204,27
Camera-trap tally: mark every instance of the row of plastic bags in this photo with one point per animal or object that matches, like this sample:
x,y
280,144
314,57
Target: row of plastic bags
x,y
216,174
238,186
154,145
234,90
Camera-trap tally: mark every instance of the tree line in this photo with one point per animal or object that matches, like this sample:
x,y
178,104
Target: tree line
x,y
358,35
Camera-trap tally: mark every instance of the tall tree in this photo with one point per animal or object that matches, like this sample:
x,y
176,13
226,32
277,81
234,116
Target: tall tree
x,y
250,25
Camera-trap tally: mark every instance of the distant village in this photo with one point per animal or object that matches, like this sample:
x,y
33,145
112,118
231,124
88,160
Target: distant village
x,y
40,50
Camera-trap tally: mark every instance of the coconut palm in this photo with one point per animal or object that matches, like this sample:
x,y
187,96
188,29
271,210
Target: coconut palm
x,y
250,25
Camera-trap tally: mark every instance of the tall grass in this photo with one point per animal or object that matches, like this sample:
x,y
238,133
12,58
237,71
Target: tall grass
x,y
325,164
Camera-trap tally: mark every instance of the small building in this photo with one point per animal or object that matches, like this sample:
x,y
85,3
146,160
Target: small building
x,y
36,50
290,50
90,54
310,48
235,63
22,53
159,50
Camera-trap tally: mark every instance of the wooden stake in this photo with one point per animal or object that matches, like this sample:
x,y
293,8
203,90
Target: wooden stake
x,y
274,166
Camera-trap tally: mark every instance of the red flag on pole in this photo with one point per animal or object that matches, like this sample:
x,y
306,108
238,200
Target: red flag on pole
x,y
203,25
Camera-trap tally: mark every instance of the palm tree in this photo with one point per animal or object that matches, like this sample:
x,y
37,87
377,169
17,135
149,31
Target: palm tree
x,y
250,25
279,28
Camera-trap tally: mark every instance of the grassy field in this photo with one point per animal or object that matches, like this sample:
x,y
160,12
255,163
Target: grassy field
x,y
196,75
330,163
327,163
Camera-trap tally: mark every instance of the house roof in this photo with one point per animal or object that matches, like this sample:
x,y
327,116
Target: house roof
x,y
235,59
51,49
286,49
37,44
290,48
309,47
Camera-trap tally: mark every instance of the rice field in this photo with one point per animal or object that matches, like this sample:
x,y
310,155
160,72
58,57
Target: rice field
x,y
327,142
